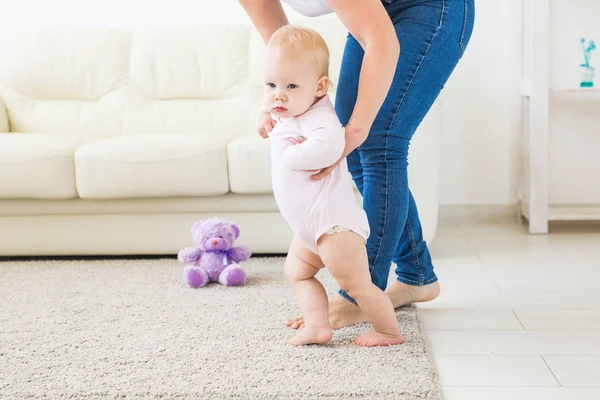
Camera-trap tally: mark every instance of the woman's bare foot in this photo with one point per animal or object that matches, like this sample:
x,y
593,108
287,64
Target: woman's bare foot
x,y
344,313
373,338
311,335
341,313
402,294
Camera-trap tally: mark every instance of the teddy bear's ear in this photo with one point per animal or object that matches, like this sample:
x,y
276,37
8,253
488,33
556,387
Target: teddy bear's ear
x,y
197,225
236,230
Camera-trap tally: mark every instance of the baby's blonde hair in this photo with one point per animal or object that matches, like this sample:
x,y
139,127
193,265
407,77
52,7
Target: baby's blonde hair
x,y
291,37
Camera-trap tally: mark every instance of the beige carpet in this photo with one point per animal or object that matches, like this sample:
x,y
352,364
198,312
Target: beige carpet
x,y
131,329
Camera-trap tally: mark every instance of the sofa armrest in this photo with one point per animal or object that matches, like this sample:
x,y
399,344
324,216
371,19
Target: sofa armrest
x,y
4,125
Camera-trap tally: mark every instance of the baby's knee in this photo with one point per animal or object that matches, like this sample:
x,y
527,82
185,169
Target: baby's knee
x,y
290,273
356,289
296,270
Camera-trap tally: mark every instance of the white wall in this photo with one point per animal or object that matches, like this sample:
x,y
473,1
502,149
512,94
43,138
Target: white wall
x,y
481,109
481,102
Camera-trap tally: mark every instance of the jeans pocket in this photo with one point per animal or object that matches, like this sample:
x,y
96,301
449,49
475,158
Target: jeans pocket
x,y
467,28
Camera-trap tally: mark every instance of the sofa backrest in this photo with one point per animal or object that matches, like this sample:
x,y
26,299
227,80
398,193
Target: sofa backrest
x,y
65,81
183,82
203,80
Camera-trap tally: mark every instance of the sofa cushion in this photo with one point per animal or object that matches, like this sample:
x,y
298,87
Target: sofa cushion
x,y
37,165
62,81
188,79
249,160
161,165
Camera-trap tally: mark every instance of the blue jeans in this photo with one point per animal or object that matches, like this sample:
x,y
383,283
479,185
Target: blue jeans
x,y
433,35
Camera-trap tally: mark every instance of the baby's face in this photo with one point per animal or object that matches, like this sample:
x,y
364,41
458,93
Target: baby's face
x,y
291,83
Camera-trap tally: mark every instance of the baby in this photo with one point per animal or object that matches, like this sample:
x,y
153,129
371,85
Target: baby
x,y
330,228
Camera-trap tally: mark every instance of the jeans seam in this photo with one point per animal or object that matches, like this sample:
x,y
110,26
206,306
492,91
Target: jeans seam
x,y
464,27
385,194
415,249
442,14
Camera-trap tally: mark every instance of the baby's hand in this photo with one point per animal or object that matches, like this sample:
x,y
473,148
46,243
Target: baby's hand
x,y
265,124
297,140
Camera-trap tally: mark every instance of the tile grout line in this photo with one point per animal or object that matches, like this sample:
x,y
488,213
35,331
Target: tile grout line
x,y
496,284
517,317
550,369
491,275
477,255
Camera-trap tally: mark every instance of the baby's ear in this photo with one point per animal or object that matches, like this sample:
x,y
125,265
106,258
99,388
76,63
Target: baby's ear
x,y
322,86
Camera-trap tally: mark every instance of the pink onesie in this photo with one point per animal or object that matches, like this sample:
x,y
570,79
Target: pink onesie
x,y
313,208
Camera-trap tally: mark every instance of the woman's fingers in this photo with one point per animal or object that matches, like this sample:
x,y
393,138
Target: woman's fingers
x,y
323,173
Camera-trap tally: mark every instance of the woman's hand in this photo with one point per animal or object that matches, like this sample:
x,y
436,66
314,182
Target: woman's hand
x,y
354,138
265,123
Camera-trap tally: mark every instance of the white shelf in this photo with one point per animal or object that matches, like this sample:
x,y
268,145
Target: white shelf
x,y
537,96
579,94
567,212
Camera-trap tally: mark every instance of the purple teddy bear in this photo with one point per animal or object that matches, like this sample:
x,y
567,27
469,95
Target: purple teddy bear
x,y
214,259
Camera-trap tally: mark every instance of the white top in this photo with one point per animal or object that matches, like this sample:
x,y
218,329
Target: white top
x,y
311,208
310,8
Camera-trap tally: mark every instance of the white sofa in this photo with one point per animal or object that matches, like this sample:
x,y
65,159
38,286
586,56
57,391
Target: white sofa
x,y
114,142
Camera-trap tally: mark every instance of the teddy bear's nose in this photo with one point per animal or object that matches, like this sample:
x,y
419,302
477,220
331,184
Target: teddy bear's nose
x,y
214,242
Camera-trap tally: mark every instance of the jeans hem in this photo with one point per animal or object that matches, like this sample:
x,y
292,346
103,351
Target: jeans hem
x,y
417,283
346,296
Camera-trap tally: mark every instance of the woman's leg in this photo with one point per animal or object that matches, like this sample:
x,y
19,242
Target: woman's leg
x,y
432,35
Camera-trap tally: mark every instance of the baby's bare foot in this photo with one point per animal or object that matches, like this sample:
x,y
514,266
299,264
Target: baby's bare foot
x,y
311,335
402,294
341,313
373,338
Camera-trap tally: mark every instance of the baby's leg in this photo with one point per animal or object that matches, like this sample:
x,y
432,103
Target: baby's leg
x,y
311,297
345,256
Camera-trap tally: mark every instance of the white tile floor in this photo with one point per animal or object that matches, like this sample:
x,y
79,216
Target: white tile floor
x,y
519,315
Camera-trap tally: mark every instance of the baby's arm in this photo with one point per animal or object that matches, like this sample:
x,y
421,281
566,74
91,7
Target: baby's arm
x,y
322,148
